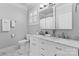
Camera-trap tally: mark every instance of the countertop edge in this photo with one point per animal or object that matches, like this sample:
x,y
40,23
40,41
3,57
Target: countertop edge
x,y
68,42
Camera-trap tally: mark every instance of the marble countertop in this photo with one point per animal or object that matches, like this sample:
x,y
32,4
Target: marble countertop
x,y
69,42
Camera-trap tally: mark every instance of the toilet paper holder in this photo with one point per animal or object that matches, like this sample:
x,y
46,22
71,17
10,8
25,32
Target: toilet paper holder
x,y
12,35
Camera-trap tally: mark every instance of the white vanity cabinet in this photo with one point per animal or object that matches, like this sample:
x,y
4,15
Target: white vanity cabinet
x,y
48,48
42,47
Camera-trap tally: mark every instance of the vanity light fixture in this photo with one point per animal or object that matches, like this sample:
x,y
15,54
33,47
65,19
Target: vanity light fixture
x,y
43,5
46,5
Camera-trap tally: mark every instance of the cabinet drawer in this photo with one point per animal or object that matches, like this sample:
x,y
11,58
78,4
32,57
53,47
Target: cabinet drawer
x,y
42,41
45,42
66,48
57,49
64,53
33,44
33,39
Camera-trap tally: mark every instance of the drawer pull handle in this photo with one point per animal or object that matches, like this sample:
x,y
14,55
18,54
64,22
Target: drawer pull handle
x,y
58,48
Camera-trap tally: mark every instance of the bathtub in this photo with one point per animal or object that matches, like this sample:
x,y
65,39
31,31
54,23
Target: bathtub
x,y
22,49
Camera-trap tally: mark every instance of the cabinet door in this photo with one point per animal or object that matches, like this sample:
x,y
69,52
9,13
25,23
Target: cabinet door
x,y
46,49
34,46
50,23
43,47
64,16
42,23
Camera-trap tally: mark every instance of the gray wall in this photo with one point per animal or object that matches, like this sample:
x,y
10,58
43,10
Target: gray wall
x,y
20,16
74,33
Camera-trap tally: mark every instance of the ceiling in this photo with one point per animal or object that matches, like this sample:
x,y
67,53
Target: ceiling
x,y
26,6
29,5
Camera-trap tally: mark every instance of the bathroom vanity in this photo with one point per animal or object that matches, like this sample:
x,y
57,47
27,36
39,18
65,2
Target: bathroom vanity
x,y
52,46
